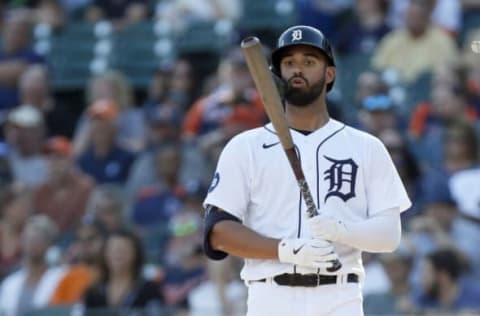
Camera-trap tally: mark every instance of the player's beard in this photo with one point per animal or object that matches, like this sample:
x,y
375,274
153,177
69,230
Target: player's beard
x,y
303,96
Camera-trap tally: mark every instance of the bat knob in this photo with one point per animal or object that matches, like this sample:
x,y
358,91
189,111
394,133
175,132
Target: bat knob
x,y
249,42
336,266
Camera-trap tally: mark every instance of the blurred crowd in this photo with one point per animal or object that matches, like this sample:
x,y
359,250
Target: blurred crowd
x,y
101,204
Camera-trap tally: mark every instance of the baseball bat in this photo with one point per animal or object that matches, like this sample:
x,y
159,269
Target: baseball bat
x,y
260,72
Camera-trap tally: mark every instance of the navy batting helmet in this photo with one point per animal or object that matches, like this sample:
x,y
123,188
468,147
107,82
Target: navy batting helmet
x,y
302,35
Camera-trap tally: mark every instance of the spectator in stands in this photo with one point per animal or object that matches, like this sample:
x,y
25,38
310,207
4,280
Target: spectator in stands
x,y
430,120
6,176
407,167
32,286
113,85
85,267
398,299
362,33
16,54
460,147
107,206
34,90
158,87
24,133
416,49
378,114
163,129
233,107
122,284
185,263
440,225
15,209
51,13
473,85
323,15
444,287
63,197
447,14
105,159
178,13
183,84
158,202
122,13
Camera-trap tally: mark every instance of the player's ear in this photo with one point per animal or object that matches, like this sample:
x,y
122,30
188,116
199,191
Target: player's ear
x,y
330,74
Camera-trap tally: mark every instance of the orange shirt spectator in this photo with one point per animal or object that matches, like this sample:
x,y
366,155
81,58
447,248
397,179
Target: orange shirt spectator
x,y
73,285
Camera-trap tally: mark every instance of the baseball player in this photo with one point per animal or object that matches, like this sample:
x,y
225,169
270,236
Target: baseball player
x,y
254,208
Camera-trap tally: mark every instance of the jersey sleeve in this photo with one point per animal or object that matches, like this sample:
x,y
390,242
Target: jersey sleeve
x,y
384,188
229,189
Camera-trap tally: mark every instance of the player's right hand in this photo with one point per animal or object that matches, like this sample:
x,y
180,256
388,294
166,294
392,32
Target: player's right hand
x,y
313,253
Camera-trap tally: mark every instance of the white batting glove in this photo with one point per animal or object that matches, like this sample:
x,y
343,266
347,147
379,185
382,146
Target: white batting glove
x,y
313,253
327,227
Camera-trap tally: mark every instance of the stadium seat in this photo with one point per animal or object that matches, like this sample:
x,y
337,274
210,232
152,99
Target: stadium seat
x,y
267,18
70,55
52,311
133,53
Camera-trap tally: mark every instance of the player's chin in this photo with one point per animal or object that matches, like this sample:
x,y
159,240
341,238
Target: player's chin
x,y
300,97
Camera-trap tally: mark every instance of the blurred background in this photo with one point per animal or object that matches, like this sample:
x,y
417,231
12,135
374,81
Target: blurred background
x,y
113,114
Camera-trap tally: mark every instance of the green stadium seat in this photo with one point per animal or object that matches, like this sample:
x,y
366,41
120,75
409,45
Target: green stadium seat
x,y
201,36
267,18
52,311
70,55
133,53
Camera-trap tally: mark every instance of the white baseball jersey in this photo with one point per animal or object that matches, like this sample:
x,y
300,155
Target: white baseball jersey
x,y
350,174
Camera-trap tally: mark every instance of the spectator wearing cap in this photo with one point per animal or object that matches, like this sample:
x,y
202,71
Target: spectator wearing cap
x,y
446,288
32,285
24,133
16,54
112,85
378,114
105,159
63,197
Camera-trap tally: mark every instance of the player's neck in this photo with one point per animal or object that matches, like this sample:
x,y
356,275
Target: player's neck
x,y
309,118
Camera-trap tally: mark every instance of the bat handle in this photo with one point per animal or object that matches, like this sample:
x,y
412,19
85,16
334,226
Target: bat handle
x,y
312,211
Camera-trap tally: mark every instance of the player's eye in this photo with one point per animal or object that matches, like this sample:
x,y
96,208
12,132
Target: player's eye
x,y
309,62
288,62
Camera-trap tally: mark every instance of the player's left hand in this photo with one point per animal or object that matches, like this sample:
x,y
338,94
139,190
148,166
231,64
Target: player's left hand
x,y
327,227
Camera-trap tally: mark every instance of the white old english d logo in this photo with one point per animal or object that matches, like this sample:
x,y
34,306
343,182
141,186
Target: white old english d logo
x,y
296,35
